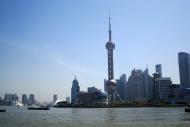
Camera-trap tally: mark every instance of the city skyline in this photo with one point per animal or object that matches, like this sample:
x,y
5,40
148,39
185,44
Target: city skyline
x,y
43,45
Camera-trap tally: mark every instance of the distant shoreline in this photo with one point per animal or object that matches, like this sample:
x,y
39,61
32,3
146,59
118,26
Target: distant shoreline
x,y
116,106
120,106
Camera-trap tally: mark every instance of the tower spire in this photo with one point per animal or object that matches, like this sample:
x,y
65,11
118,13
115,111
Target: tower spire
x,y
110,38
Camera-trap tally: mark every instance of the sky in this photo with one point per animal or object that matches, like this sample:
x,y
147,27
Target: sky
x,y
44,44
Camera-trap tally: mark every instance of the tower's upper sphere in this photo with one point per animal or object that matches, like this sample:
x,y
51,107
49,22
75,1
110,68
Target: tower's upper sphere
x,y
110,45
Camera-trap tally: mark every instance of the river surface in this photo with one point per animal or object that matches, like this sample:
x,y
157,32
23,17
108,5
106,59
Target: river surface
x,y
95,117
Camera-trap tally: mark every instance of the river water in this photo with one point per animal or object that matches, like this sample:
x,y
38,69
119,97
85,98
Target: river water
x,y
95,117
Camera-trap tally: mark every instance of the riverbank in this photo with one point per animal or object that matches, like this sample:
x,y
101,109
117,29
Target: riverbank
x,y
121,106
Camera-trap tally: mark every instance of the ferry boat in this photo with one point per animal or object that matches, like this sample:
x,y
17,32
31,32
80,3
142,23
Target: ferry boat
x,y
187,108
2,110
38,108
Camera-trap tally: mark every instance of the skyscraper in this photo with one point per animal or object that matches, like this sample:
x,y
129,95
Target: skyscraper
x,y
111,83
184,69
74,90
11,98
148,85
140,85
135,86
31,100
24,99
54,98
162,88
121,87
68,100
159,69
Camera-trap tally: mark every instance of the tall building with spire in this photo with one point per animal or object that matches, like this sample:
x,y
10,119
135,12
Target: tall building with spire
x,y
110,83
74,91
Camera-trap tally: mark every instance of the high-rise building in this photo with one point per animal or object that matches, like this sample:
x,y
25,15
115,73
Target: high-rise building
x,y
148,85
184,69
139,86
31,100
68,100
11,99
155,76
54,98
74,91
162,88
159,69
111,83
135,86
6,96
24,99
121,87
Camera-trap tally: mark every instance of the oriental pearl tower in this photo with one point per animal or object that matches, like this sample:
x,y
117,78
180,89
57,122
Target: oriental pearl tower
x,y
111,83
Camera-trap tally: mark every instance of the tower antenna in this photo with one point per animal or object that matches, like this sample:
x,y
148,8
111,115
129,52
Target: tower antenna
x,y
110,38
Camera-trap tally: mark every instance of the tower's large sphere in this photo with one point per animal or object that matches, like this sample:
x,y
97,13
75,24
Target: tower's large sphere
x,y
111,84
110,45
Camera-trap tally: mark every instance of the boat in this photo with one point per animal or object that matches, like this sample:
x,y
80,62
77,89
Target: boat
x,y
187,108
38,108
2,110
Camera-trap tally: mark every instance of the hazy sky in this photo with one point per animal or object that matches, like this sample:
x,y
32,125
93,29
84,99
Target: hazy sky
x,y
45,43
